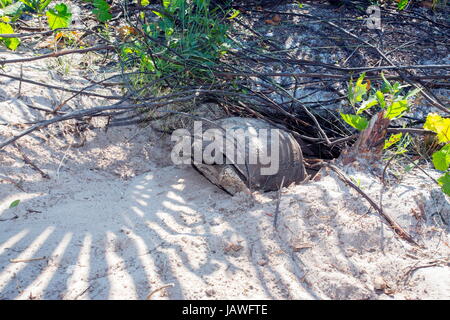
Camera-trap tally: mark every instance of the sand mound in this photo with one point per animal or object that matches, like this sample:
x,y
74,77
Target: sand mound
x,y
115,219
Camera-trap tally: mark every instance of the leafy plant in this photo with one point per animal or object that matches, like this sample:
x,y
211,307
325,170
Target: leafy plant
x,y
441,158
355,121
401,4
439,125
12,10
102,10
393,99
5,3
10,43
59,17
37,5
185,34
389,97
393,139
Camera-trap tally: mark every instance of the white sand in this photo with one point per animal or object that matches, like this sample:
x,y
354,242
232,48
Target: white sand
x,y
116,220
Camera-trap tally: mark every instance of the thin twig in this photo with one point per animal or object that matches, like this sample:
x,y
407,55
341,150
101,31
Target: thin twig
x,y
277,208
149,297
393,224
27,260
13,218
93,94
16,184
57,54
82,292
29,162
416,165
434,263
410,130
188,95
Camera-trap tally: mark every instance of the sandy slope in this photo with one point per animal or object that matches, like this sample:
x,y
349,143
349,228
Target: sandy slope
x,y
117,220
105,237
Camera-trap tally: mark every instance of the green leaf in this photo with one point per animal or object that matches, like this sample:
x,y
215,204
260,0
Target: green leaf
x,y
440,125
357,91
37,5
159,14
10,43
101,10
14,204
412,93
396,87
59,17
369,103
386,87
444,182
402,4
5,3
355,121
441,158
360,78
234,14
393,139
43,4
13,10
380,98
396,109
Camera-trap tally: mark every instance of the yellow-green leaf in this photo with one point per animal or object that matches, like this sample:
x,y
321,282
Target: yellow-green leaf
x,y
59,17
369,103
441,158
234,14
439,125
444,182
380,98
355,121
393,139
396,109
159,14
10,43
358,90
14,204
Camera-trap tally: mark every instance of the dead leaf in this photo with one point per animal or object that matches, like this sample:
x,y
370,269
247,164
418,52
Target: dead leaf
x,y
126,31
232,247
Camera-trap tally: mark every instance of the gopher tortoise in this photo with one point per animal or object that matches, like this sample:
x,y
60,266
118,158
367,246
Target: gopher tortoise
x,y
254,155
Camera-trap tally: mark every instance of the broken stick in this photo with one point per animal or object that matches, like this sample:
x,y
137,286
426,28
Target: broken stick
x,y
392,223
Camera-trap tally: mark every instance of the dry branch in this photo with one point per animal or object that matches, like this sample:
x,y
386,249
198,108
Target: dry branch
x,y
392,223
60,88
56,54
188,95
30,163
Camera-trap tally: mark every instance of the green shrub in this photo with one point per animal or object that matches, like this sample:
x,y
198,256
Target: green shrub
x,y
395,101
390,97
37,5
187,39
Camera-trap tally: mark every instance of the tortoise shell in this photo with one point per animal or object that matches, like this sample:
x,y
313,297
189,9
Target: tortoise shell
x,y
254,155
